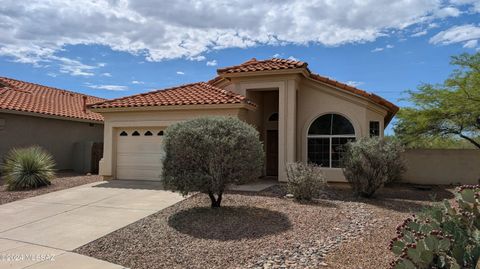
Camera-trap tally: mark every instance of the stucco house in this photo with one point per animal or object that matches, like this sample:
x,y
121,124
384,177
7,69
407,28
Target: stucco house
x,y
301,116
55,119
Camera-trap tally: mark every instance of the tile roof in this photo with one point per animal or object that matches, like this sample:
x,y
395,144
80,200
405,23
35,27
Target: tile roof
x,y
199,93
254,65
24,96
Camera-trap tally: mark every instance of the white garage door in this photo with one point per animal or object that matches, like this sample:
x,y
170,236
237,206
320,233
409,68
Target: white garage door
x,y
139,153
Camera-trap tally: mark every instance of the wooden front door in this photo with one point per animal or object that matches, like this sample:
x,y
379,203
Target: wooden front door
x,y
272,152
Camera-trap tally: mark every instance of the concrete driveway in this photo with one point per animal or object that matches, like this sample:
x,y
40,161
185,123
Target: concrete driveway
x,y
41,232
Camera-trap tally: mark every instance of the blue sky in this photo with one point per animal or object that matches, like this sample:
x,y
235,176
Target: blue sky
x,y
117,48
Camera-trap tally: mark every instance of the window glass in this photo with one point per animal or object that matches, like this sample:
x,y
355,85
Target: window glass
x,y
326,137
321,126
135,133
273,117
319,151
148,133
374,128
123,133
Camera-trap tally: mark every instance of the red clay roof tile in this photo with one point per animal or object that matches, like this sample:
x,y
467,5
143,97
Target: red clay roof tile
x,y
200,93
254,65
24,96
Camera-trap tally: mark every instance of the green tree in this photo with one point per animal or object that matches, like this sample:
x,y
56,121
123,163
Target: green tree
x,y
448,110
207,154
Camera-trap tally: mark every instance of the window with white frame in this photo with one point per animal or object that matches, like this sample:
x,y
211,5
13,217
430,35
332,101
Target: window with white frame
x,y
326,137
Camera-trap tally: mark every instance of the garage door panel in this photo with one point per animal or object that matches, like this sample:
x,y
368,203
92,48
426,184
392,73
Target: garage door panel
x,y
140,174
154,146
139,157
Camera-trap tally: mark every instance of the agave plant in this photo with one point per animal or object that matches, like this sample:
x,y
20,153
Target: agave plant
x,y
28,168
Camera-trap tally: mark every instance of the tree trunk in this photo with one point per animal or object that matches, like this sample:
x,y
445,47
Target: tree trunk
x,y
215,201
470,140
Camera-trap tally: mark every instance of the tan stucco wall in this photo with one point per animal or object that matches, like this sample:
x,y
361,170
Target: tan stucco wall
x,y
152,118
315,100
56,136
442,166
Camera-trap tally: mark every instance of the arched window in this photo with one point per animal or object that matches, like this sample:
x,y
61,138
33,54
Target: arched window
x,y
160,133
135,133
148,133
123,133
273,117
326,136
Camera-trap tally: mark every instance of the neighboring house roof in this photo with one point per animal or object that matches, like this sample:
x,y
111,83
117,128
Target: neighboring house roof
x,y
21,96
253,65
200,93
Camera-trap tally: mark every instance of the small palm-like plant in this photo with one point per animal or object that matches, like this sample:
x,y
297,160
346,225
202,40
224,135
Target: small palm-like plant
x,y
28,168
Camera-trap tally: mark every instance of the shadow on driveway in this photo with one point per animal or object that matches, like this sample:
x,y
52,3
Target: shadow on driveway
x,y
131,184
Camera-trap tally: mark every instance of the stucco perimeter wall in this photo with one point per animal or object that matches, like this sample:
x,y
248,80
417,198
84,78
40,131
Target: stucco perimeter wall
x,y
153,118
57,136
442,166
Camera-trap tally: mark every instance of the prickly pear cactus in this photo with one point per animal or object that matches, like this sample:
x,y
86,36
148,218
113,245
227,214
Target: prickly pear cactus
x,y
444,236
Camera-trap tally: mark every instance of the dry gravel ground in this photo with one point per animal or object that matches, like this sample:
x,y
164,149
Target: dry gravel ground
x,y
64,180
265,230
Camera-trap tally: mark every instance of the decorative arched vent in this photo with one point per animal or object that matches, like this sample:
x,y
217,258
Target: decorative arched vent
x,y
273,117
123,133
148,133
135,133
160,133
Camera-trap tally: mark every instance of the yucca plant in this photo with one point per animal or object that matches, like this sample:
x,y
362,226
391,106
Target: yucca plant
x,y
28,168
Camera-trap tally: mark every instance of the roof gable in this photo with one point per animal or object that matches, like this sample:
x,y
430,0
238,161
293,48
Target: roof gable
x,y
21,96
253,65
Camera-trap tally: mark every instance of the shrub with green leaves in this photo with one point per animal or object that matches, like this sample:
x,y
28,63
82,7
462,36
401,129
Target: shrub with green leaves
x,y
369,163
207,154
444,236
28,168
304,181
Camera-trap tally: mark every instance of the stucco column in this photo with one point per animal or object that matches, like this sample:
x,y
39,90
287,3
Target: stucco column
x,y
105,165
287,106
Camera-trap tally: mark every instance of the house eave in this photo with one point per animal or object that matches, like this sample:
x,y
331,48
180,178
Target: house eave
x,y
174,107
41,115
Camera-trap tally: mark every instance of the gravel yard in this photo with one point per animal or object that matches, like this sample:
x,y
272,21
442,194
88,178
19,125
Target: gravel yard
x,y
265,230
62,181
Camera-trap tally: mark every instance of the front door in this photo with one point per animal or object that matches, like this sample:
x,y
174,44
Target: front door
x,y
272,152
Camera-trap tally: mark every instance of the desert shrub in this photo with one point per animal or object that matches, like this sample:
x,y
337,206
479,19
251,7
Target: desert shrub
x,y
28,168
369,163
207,154
444,236
304,181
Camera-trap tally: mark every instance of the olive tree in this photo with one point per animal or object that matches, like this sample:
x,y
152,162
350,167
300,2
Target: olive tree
x,y
206,154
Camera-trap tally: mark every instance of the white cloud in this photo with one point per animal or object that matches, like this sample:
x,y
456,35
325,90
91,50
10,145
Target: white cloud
x,y
276,55
106,74
474,4
180,73
137,82
377,50
448,12
108,87
471,44
354,83
72,67
389,46
457,34
212,63
101,64
421,33
51,74
292,58
35,30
